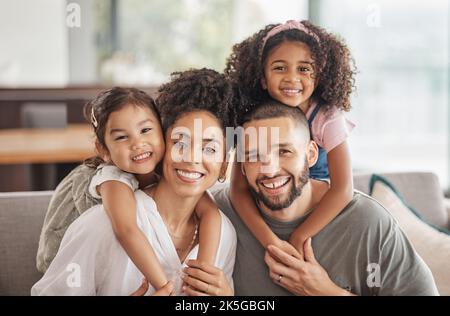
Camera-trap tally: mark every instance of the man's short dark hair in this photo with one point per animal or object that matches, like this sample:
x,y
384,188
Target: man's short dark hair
x,y
275,109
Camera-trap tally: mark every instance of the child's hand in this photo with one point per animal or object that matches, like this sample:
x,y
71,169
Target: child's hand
x,y
166,290
286,247
298,241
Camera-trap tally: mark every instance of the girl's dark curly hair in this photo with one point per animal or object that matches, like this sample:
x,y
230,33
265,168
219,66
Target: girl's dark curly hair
x,y
196,90
98,110
333,66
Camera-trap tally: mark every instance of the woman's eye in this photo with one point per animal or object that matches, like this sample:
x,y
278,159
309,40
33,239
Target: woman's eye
x,y
209,150
180,145
146,130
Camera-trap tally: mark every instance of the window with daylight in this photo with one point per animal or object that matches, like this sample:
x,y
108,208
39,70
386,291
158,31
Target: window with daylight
x,y
401,103
142,42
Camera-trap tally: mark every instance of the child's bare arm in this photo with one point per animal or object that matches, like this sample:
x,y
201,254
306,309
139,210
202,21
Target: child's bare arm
x,y
334,200
210,226
245,206
120,205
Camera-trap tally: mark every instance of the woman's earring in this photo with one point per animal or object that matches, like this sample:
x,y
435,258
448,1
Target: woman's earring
x,y
221,179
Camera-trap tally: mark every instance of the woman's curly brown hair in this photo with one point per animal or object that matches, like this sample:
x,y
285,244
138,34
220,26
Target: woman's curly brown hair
x,y
196,90
333,65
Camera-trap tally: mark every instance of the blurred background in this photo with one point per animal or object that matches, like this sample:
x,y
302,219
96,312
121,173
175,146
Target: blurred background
x,y
55,55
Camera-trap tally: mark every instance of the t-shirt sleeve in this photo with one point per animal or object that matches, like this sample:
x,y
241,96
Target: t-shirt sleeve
x,y
111,173
331,129
402,270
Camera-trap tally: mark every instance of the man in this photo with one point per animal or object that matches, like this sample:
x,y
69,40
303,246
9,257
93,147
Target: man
x,y
361,252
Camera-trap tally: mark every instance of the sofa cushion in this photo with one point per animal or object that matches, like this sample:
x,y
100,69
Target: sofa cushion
x,y
421,190
432,245
21,218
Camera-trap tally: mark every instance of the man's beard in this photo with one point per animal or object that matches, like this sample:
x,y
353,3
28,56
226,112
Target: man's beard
x,y
275,203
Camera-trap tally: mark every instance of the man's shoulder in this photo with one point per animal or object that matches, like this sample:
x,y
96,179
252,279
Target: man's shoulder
x,y
221,194
367,212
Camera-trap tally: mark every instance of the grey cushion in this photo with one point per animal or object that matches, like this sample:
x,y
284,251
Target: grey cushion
x,y
21,218
420,190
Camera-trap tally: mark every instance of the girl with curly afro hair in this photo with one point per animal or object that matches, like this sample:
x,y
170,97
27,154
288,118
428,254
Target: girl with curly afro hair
x,y
302,66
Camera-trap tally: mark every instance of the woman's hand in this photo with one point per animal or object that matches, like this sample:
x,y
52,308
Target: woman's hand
x,y
300,276
203,279
166,290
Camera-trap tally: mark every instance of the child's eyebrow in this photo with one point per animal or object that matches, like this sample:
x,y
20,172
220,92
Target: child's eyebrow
x,y
298,62
146,121
278,61
116,130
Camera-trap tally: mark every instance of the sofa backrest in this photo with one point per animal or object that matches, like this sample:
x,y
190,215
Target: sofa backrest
x,y
21,218
22,215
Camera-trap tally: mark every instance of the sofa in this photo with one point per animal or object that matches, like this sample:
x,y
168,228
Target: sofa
x,y
22,215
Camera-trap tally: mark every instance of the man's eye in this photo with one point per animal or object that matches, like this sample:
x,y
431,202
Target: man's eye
x,y
121,137
146,130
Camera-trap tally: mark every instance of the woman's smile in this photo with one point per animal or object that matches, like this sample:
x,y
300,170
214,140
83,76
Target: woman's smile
x,y
189,176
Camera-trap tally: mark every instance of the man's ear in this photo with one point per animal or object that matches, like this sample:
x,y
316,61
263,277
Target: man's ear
x,y
312,153
242,168
264,83
102,151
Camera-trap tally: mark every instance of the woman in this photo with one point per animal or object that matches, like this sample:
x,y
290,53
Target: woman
x,y
90,260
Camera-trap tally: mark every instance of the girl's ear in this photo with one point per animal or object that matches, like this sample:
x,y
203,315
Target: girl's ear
x,y
102,151
312,153
264,83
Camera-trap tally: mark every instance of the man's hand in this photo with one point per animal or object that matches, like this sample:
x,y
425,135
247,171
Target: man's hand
x,y
300,276
166,290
